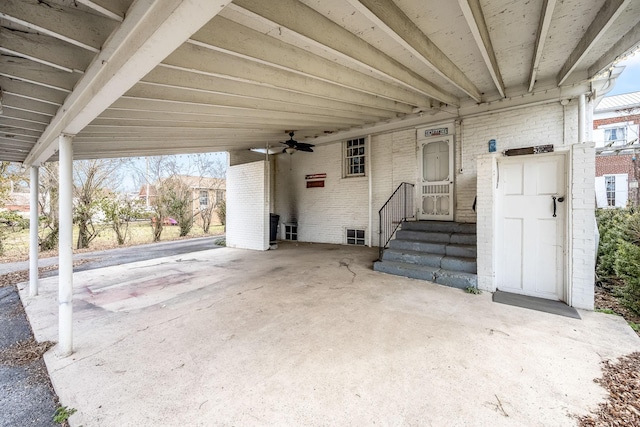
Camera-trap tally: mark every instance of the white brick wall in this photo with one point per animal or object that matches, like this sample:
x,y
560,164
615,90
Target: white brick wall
x,y
248,206
522,127
324,214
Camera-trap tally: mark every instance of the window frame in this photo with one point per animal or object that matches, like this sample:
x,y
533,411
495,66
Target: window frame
x,y
352,149
620,133
206,198
610,193
359,237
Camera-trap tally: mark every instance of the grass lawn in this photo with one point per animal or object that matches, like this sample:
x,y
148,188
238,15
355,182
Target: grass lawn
x,y
16,244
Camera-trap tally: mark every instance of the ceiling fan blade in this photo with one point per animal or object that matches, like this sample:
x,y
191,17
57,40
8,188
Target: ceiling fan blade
x,y
304,144
303,148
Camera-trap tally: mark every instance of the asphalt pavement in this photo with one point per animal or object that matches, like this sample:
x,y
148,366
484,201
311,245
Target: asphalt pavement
x,y
124,255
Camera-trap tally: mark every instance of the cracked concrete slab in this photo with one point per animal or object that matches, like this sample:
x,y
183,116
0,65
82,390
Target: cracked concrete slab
x,y
310,335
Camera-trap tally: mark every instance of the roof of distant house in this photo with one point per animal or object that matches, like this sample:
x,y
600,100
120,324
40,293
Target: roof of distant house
x,y
619,102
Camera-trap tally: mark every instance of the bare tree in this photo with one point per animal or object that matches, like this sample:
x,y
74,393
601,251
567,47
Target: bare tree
x,y
211,171
93,180
174,185
48,200
11,174
119,210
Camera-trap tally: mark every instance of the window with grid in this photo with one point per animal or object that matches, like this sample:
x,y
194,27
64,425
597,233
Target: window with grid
x,y
204,198
355,237
354,151
610,185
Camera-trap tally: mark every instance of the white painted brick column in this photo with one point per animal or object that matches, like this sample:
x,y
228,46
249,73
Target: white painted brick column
x,y
582,226
248,206
485,214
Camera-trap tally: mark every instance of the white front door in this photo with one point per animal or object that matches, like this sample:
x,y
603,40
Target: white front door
x,y
531,225
435,187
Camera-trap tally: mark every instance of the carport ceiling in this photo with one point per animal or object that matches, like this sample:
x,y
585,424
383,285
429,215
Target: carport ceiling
x,y
145,77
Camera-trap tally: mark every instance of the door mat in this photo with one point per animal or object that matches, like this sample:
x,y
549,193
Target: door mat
x,y
538,304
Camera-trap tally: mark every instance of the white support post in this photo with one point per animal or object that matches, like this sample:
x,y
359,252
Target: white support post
x,y
34,223
582,118
65,255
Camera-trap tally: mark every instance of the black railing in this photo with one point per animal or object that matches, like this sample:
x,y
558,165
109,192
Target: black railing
x,y
398,208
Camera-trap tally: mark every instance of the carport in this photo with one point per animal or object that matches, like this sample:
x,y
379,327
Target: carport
x,y
95,78
310,335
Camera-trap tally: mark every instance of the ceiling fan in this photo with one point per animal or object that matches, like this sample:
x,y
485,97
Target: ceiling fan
x,y
292,145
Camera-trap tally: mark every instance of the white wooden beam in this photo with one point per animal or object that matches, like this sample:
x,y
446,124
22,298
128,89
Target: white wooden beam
x,y
126,106
321,31
217,64
13,113
194,88
627,43
226,123
394,22
606,16
472,12
79,28
38,74
240,116
18,141
33,92
8,129
104,8
21,124
229,37
544,24
19,103
45,50
150,32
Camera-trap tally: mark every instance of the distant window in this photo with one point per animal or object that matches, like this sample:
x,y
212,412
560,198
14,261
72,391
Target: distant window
x,y
610,185
354,157
615,135
204,198
355,237
219,196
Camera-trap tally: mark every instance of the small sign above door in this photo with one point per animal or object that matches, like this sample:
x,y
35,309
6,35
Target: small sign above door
x,y
436,132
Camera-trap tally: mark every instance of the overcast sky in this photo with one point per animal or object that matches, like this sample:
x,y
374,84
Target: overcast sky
x,y
629,80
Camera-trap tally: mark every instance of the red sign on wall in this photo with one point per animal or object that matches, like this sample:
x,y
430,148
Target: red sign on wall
x,y
315,184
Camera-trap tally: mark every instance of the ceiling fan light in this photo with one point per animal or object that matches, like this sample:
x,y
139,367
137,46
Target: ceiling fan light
x,y
290,150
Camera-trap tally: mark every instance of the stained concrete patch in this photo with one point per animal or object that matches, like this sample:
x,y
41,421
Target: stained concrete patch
x,y
316,343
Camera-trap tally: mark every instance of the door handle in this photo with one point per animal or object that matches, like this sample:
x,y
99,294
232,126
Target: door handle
x,y
560,200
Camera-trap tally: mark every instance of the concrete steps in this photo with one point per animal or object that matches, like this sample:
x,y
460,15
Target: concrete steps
x,y
440,252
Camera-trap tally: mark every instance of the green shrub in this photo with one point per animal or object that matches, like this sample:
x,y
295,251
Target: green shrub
x,y
627,262
610,225
619,251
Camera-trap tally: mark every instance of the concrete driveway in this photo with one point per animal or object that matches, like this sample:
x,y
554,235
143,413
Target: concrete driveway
x,y
310,335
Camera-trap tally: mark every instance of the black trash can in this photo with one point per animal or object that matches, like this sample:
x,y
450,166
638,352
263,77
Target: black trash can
x,y
273,227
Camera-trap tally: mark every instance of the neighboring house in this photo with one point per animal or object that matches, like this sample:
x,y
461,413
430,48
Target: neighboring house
x,y
206,194
18,202
616,126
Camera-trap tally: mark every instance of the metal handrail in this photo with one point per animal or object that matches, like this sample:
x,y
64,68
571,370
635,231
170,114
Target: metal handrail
x,y
398,208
